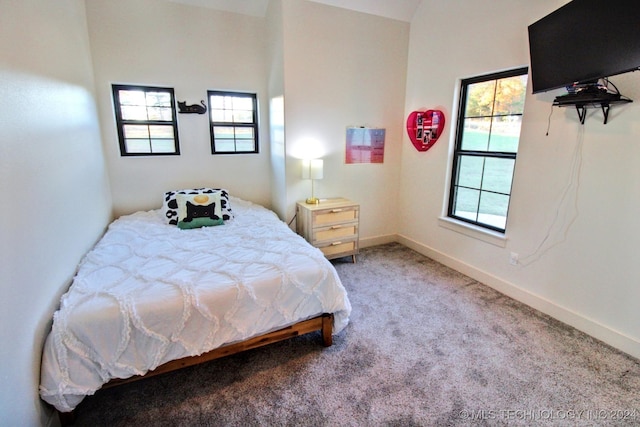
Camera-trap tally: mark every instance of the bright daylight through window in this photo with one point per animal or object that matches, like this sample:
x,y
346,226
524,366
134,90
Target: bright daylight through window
x,y
487,137
234,122
146,120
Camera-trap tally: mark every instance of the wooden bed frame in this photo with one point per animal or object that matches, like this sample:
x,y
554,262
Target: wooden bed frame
x,y
323,323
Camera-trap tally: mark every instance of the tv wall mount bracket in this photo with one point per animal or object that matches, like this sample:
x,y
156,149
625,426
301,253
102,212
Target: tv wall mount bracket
x,y
582,106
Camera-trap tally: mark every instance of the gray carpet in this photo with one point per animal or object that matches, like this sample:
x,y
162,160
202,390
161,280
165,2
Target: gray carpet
x,y
426,345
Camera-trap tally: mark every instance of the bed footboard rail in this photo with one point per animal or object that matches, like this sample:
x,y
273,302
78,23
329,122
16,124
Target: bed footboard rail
x,y
322,323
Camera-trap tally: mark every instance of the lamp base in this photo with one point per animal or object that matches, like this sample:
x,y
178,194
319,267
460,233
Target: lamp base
x,y
312,201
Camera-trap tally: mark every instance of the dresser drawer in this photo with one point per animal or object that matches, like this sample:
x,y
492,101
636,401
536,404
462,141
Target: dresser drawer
x,y
335,232
338,248
336,215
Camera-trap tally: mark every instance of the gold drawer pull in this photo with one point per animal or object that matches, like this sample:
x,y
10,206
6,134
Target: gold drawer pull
x,y
335,227
336,210
336,243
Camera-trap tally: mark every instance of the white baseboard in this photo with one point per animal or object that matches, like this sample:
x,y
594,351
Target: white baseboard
x,y
379,240
591,327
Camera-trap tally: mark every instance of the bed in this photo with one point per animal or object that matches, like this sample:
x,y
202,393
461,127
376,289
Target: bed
x,y
151,296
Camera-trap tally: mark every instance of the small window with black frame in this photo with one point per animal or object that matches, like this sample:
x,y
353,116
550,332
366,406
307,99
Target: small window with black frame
x,y
233,122
146,120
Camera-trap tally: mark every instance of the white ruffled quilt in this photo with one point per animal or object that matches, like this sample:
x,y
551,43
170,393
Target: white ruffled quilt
x,y
149,293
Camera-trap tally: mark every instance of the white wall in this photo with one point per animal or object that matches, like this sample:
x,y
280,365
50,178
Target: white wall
x,y
317,67
275,77
345,68
576,193
191,49
52,179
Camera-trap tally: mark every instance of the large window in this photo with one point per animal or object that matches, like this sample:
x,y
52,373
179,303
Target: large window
x,y
146,120
234,122
487,137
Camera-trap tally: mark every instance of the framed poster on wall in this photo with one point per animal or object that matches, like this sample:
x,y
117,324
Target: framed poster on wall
x,y
365,145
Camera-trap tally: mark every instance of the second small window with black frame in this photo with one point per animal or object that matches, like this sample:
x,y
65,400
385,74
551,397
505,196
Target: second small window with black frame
x,y
487,138
233,122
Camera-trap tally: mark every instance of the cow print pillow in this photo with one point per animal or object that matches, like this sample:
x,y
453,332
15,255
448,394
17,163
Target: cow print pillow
x,y
170,205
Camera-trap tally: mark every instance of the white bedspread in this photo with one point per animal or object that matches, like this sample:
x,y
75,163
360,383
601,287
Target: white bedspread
x,y
149,293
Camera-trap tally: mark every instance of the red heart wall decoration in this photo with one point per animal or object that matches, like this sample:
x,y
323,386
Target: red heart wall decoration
x,y
424,128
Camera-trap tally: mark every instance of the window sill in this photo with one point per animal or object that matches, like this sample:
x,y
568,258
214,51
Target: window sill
x,y
493,237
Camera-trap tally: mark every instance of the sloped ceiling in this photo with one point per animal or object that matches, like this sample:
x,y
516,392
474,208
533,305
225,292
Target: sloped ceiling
x,y
402,10
247,7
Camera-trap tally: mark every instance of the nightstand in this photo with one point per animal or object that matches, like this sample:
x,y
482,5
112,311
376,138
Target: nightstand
x,y
331,226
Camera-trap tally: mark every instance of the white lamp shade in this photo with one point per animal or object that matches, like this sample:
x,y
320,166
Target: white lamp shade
x,y
312,169
316,169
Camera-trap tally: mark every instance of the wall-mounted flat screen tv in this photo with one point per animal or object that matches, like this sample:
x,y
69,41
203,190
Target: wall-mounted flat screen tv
x,y
584,40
